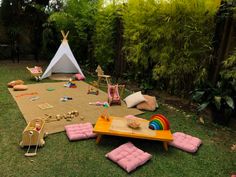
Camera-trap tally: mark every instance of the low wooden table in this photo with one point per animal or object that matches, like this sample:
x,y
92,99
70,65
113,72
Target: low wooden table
x,y
103,127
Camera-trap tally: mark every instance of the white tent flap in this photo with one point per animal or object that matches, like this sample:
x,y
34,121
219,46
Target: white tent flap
x,y
63,62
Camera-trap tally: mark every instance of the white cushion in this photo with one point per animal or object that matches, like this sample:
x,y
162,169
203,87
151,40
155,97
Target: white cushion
x,y
134,99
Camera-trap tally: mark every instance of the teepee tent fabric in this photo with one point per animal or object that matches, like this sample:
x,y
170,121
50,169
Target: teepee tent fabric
x,y
63,61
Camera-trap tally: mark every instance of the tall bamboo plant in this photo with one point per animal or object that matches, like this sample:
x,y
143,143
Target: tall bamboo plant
x,y
105,39
172,40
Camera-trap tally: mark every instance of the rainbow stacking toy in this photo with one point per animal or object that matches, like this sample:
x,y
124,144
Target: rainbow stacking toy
x,y
159,122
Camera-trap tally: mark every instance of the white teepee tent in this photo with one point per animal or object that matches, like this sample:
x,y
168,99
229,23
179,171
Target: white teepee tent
x,y
63,61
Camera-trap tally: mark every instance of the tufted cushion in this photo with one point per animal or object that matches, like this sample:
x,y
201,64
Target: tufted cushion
x,y
185,142
79,131
149,105
128,156
134,99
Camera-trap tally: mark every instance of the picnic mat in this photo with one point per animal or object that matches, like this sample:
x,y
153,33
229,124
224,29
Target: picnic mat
x,y
44,99
61,77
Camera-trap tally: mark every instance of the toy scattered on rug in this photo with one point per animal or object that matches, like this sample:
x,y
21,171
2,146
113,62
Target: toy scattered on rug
x,y
113,94
50,89
93,89
66,98
128,156
36,72
70,84
26,94
80,131
33,135
16,82
104,113
159,122
45,106
185,142
99,103
67,116
34,98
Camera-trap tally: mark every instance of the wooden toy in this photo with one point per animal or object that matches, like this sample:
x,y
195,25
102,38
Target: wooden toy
x,y
102,76
70,84
68,116
104,113
114,97
36,72
92,89
45,106
33,135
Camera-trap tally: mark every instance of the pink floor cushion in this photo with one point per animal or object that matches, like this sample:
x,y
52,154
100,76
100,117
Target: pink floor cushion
x,y
79,76
185,142
79,131
128,156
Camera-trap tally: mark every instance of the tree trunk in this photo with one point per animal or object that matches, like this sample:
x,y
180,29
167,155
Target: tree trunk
x,y
223,35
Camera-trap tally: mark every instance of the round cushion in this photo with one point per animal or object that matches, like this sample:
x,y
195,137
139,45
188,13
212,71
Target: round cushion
x,y
20,87
16,82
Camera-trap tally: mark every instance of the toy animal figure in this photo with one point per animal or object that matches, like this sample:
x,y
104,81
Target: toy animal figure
x,y
92,89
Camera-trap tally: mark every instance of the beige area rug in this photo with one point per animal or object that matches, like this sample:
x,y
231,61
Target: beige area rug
x,y
61,77
32,104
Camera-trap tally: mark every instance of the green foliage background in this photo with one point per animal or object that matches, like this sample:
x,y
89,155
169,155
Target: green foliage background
x,y
78,17
167,44
172,40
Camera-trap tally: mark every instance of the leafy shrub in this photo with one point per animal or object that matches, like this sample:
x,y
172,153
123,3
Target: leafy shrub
x,y
221,99
172,40
105,35
78,17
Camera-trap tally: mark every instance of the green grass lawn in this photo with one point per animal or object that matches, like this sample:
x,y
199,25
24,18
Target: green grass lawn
x,y
60,157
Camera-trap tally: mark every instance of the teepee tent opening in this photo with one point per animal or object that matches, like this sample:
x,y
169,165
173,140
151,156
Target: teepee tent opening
x,y
63,61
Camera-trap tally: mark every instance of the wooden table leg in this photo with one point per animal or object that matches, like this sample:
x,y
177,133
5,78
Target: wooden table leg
x,y
165,144
98,138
